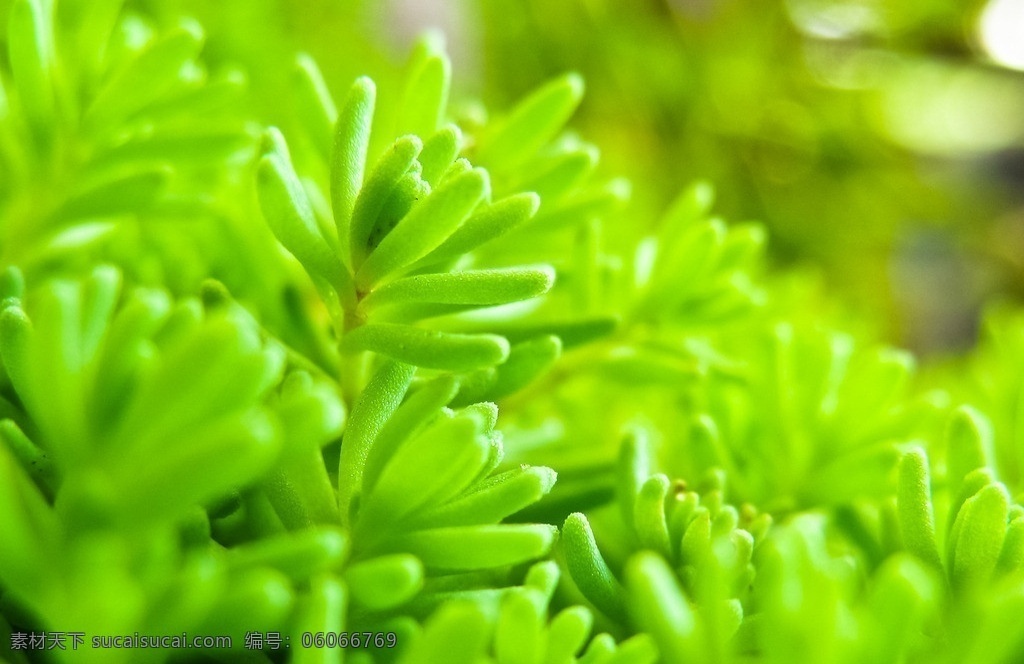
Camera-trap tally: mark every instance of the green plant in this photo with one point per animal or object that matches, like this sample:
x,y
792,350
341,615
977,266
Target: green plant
x,y
387,368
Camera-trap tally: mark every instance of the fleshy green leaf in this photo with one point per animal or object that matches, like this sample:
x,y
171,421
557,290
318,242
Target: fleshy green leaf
x,y
376,189
300,555
30,530
691,206
430,467
600,650
288,212
974,482
439,151
633,470
476,547
472,287
487,222
257,601
532,123
544,577
575,332
1012,557
696,544
100,293
385,582
155,71
376,404
216,460
30,50
913,500
589,569
969,440
428,348
348,158
417,411
526,362
15,348
180,148
562,173
32,459
903,589
425,97
979,534
518,633
315,105
660,607
12,283
742,246
595,202
427,225
639,366
321,611
639,649
567,634
495,499
170,400
299,487
457,633
649,515
56,353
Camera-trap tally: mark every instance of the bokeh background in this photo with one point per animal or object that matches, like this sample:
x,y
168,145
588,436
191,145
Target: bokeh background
x,y
881,141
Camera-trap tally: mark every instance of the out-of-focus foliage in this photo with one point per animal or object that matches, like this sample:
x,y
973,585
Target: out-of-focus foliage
x,y
876,139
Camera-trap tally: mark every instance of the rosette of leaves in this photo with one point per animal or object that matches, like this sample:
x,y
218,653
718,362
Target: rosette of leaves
x,y
106,119
416,253
423,511
804,417
815,604
684,558
692,278
417,478
696,272
128,417
964,524
212,478
429,557
942,563
794,416
691,285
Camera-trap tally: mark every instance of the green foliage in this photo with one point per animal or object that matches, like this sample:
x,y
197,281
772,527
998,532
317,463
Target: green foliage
x,y
108,120
252,365
842,409
675,548
995,385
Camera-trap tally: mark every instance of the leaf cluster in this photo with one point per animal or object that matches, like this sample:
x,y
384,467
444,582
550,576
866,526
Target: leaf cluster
x,y
303,435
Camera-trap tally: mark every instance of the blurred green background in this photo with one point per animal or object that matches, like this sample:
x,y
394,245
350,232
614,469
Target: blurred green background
x,y
881,141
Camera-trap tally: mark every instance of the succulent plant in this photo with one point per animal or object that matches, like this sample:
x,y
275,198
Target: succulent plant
x,y
380,379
